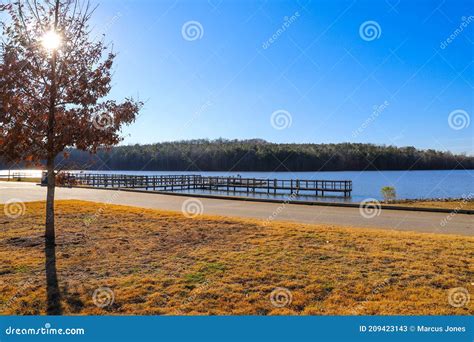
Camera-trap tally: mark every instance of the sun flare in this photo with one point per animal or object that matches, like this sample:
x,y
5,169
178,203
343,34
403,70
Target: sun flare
x,y
51,40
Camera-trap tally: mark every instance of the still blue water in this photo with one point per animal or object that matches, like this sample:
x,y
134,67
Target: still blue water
x,y
366,184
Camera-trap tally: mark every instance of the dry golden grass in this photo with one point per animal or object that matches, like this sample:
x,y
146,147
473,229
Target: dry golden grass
x,y
163,263
451,204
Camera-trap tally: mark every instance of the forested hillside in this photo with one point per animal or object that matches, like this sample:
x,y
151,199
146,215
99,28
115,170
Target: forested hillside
x,y
259,155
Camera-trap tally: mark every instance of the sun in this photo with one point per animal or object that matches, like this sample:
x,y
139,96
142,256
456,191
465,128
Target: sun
x,y
51,40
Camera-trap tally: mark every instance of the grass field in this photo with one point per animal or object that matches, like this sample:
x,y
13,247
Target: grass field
x,y
164,263
444,204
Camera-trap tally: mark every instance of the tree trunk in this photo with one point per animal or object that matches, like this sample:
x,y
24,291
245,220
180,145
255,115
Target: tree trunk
x,y
50,233
52,285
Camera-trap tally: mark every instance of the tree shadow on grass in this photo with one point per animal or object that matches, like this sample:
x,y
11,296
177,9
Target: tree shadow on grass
x,y
52,286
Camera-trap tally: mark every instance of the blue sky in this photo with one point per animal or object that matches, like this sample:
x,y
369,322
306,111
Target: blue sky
x,y
320,71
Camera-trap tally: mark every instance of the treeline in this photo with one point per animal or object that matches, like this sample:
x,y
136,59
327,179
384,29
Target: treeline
x,y
259,155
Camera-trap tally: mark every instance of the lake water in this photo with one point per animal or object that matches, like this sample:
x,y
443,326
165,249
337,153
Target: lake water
x,y
366,184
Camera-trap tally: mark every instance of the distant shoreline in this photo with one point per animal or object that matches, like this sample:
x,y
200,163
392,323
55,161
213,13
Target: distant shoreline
x,y
257,155
3,170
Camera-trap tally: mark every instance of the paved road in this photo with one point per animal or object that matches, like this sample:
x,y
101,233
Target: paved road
x,y
388,219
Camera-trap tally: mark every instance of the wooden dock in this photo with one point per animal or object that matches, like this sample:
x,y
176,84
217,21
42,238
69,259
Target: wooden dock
x,y
18,175
198,182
